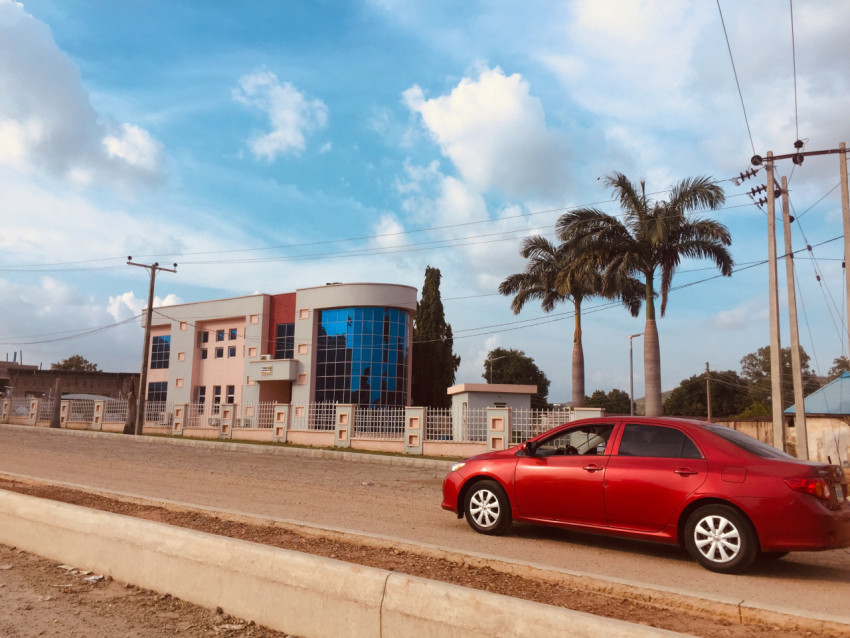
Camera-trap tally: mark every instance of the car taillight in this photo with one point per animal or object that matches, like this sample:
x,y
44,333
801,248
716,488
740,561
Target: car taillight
x,y
815,486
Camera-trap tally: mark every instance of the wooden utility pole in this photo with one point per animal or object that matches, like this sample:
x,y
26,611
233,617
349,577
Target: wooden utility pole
x,y
845,210
143,377
775,346
796,365
708,389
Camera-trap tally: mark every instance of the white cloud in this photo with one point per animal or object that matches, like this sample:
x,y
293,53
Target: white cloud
x,y
128,305
291,114
495,133
135,146
46,118
741,317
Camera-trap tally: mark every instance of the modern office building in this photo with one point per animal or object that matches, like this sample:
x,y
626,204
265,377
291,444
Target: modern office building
x,y
338,343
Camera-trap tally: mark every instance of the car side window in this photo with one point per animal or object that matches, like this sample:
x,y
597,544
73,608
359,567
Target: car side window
x,y
583,440
657,441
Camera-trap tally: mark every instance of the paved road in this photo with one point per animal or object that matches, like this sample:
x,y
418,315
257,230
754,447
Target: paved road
x,y
397,501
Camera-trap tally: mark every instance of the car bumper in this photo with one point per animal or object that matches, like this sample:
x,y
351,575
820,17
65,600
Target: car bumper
x,y
451,489
807,525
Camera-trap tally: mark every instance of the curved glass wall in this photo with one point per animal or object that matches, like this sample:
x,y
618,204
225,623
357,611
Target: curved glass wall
x,y
361,356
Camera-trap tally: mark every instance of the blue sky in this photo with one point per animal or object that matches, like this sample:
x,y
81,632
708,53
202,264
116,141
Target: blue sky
x,y
269,146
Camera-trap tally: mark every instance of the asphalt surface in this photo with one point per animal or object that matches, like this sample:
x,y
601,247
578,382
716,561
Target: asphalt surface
x,y
398,498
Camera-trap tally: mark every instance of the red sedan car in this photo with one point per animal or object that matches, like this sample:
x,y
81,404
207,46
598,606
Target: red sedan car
x,y
723,495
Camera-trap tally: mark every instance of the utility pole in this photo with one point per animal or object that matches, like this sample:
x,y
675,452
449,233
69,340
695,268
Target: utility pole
x,y
796,365
708,389
773,304
143,377
797,158
845,210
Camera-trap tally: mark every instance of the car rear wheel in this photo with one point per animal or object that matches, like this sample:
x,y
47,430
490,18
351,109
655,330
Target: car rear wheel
x,y
487,508
721,539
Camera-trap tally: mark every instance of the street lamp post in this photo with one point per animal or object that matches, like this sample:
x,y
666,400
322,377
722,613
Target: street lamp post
x,y
632,375
490,367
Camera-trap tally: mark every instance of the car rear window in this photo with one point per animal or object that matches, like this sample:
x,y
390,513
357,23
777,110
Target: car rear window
x,y
748,443
655,441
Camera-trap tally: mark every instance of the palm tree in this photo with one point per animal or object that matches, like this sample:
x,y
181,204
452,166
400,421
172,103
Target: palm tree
x,y
553,275
652,239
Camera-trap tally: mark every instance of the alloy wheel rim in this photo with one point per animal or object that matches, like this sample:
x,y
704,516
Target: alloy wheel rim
x,y
717,539
484,507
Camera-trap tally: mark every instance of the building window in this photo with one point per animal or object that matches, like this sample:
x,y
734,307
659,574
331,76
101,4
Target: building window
x,y
219,353
219,335
203,337
203,353
231,351
200,394
284,344
231,393
216,399
160,349
361,356
157,390
232,334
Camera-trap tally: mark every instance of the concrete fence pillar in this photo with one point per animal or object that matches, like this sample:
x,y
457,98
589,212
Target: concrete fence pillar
x,y
179,421
5,410
280,425
498,428
98,414
344,425
225,421
414,430
33,413
64,412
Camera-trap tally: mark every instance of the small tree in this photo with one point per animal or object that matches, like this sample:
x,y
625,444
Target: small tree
x,y
729,396
75,363
614,402
839,366
513,366
755,369
434,363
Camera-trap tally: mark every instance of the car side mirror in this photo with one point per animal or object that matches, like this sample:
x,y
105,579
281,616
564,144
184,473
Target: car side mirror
x,y
531,448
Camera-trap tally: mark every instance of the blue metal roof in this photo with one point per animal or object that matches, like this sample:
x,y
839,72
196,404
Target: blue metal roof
x,y
833,398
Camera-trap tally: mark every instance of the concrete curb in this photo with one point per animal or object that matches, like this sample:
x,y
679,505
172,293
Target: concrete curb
x,y
298,593
250,448
733,610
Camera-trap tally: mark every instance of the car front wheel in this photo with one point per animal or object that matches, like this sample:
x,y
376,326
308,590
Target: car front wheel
x,y
721,539
487,508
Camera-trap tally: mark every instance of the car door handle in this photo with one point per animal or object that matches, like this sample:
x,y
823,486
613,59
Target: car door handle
x,y
592,468
685,471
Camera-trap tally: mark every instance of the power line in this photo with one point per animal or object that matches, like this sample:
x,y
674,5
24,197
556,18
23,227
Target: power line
x,y
732,60
794,60
53,266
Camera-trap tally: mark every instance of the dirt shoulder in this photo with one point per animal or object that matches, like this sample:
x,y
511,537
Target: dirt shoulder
x,y
61,602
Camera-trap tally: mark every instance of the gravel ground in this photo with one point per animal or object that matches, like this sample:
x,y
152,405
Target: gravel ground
x,y
41,598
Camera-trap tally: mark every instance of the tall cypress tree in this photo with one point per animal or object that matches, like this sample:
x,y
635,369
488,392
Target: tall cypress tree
x,y
434,363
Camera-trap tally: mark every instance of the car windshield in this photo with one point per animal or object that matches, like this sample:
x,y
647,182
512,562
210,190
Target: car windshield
x,y
748,443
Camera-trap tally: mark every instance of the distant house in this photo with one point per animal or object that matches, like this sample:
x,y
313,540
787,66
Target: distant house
x,y
828,422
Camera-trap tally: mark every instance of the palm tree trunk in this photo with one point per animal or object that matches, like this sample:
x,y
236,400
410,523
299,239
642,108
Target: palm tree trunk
x,y
578,359
652,369
651,353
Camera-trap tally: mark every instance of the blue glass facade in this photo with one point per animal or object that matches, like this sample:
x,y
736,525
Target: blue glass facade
x,y
361,356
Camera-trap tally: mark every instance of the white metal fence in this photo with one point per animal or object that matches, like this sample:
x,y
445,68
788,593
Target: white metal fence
x,y
45,409
370,422
20,407
528,423
385,422
312,416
